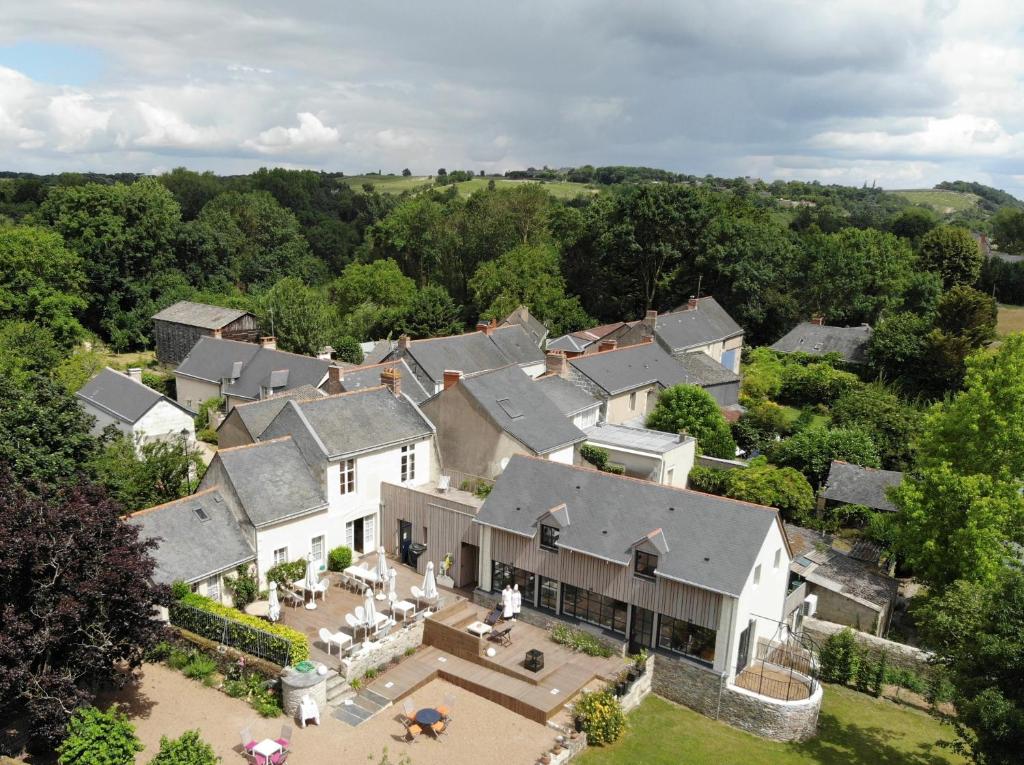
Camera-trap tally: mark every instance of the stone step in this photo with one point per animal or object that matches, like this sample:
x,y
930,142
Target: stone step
x,y
344,714
376,698
339,693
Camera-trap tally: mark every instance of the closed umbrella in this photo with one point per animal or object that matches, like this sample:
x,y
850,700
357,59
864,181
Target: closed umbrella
x,y
506,603
273,604
392,581
517,601
429,585
382,571
369,610
312,580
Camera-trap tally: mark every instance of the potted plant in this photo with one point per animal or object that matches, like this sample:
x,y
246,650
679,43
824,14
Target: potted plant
x,y
577,723
640,661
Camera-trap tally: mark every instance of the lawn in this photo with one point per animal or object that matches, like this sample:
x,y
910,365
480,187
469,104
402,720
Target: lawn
x,y
559,189
943,202
396,184
1010,319
389,184
853,729
123,361
792,413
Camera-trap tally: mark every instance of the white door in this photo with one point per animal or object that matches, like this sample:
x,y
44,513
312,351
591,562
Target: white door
x,y
350,535
213,588
370,533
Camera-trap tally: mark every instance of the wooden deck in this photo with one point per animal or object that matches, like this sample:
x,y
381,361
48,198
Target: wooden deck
x,y
774,682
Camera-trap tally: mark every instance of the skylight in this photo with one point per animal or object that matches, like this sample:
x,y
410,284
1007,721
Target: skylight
x,y
201,514
509,408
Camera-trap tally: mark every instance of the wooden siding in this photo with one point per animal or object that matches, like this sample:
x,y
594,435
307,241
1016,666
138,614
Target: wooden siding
x,y
680,601
174,340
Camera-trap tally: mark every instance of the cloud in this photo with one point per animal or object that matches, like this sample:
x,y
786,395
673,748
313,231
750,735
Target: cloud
x,y
310,135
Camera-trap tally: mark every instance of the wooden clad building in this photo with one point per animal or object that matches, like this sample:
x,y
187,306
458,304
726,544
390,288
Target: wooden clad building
x,y
178,327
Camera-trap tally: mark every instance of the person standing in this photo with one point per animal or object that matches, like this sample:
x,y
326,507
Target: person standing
x,y
517,601
506,603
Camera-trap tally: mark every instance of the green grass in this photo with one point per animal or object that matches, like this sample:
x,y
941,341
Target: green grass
x,y
1009,319
852,729
943,202
396,184
389,184
792,413
559,189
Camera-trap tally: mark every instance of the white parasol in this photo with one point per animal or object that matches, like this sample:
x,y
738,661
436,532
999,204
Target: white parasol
x,y
382,571
506,603
273,604
392,581
312,580
369,611
429,585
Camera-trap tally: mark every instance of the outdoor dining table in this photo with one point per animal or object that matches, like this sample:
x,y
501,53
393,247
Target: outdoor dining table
x,y
428,716
267,748
363,574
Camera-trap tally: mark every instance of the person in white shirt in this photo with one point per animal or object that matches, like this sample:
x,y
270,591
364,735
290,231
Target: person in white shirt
x,y
517,601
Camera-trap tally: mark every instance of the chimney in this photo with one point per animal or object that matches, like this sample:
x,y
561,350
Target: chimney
x,y
335,378
216,333
487,327
269,342
607,345
451,377
692,304
391,379
135,373
818,320
555,363
650,321
403,343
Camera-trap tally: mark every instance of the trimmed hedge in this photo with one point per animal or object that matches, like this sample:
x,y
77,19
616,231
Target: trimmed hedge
x,y
286,574
241,630
339,558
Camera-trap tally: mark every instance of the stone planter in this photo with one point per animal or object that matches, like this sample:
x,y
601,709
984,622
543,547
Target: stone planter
x,y
295,685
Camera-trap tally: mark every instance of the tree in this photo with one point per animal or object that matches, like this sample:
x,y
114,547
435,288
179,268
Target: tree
x,y
432,313
187,749
160,471
760,426
914,222
893,425
977,633
381,283
41,281
527,275
192,190
951,252
301,316
967,313
406,173
27,350
418,235
99,738
765,484
1008,229
897,349
812,450
954,526
346,348
692,410
78,600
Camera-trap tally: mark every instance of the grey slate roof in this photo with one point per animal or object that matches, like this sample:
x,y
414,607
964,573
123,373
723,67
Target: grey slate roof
x,y
856,485
475,351
271,480
816,339
257,415
121,396
191,548
570,399
534,327
568,343
640,439
519,407
199,315
704,370
215,358
368,376
352,423
819,563
626,368
705,324
713,541
376,351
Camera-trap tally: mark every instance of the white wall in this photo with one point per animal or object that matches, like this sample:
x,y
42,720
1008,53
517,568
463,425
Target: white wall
x,y
103,420
565,455
165,420
297,536
191,392
587,418
680,461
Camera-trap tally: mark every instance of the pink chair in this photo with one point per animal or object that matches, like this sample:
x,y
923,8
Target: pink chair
x,y
286,736
248,742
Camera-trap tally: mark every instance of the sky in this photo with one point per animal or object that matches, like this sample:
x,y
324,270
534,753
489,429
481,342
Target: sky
x,y
901,93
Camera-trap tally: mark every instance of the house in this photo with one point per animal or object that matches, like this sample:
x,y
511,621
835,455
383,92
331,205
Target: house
x,y
849,484
200,542
533,326
375,351
582,409
245,423
817,339
628,380
697,578
490,347
834,586
178,327
590,340
138,411
343,378
484,418
241,372
643,453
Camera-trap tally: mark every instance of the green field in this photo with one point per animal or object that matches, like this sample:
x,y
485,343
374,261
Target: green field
x,y
853,728
792,413
1009,319
943,202
389,184
396,184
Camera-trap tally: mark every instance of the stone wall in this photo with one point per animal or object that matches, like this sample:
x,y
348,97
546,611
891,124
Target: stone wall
x,y
382,651
684,683
295,685
639,690
896,654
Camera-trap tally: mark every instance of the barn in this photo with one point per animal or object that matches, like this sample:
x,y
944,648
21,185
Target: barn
x,y
178,327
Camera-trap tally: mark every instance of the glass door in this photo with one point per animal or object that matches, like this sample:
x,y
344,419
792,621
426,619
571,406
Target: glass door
x,y
641,629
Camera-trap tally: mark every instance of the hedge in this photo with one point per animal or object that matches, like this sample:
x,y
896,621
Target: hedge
x,y
339,558
245,632
286,574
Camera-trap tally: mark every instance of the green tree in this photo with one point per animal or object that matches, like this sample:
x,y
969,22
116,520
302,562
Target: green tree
x,y
897,349
303,320
951,252
346,348
760,426
692,410
432,313
99,738
188,749
967,313
1008,229
191,190
812,450
381,283
41,281
527,275
27,350
892,424
784,488
158,472
914,222
419,235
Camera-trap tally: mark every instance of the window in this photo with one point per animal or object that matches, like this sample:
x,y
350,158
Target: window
x,y
408,462
632,400
548,594
594,608
680,636
348,476
548,537
757,574
503,575
316,547
280,556
778,557
670,477
644,564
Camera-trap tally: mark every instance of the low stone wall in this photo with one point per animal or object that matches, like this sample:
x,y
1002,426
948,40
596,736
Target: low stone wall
x,y
640,688
687,684
382,651
295,685
896,654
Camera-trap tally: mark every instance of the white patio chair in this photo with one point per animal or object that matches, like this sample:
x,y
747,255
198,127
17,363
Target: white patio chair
x,y
444,483
322,587
329,639
409,707
417,594
354,624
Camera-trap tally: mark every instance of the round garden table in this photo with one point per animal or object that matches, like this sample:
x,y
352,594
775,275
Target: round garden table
x,y
428,716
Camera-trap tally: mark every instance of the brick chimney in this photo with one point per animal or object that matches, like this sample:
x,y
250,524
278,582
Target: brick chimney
x,y
335,380
818,320
692,304
135,373
391,379
555,363
607,345
215,333
403,343
269,342
487,327
451,377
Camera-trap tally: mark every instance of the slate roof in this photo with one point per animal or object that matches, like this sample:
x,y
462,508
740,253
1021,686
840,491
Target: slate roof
x,y
570,399
271,480
704,370
199,315
821,565
257,415
376,351
623,369
352,423
518,406
368,376
475,351
568,343
640,439
582,339
120,396
816,339
192,548
856,485
713,542
533,326
707,323
213,358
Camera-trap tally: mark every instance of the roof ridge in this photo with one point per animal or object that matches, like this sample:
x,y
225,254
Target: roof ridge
x,y
255,443
343,393
360,367
174,501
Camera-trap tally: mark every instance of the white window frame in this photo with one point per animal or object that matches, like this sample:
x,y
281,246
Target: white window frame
x,y
347,476
757,574
408,463
632,401
778,557
322,539
278,560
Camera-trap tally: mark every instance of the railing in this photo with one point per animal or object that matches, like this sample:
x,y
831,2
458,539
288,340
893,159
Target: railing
x,y
254,641
466,481
780,671
795,597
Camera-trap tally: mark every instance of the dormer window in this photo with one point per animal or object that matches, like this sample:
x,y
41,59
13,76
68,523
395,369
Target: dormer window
x,y
549,537
644,564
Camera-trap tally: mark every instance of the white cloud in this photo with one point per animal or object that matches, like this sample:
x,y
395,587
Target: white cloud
x,y
310,135
75,121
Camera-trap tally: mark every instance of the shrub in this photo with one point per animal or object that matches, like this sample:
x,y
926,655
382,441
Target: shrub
x,y
838,658
159,652
601,716
598,457
339,558
200,667
906,678
179,659
179,590
370,673
207,435
188,749
236,689
867,669
689,409
99,738
266,705
580,640
243,587
286,574
815,384
708,480
203,415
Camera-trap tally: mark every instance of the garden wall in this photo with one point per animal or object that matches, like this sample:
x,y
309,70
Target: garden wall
x,y
382,651
897,655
